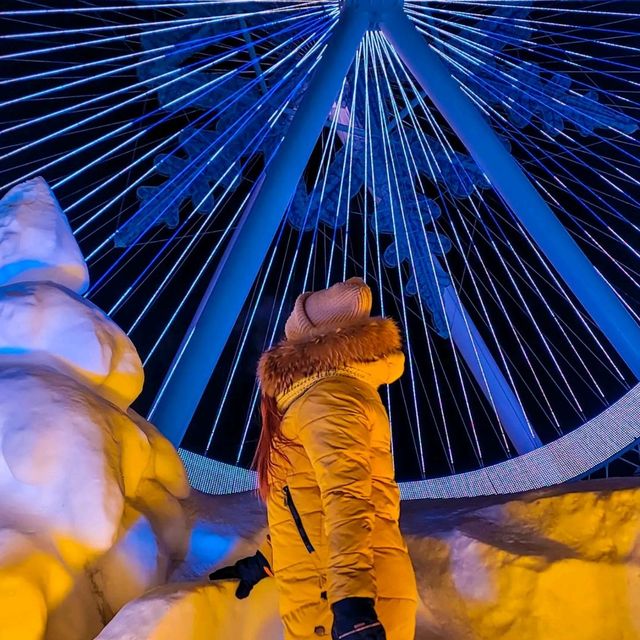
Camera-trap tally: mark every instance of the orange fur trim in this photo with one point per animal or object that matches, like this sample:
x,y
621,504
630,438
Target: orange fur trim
x,y
293,360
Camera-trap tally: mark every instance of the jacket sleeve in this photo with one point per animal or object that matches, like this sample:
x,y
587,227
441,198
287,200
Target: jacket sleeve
x,y
336,435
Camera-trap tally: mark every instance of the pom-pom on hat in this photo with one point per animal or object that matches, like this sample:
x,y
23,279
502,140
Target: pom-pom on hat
x,y
340,305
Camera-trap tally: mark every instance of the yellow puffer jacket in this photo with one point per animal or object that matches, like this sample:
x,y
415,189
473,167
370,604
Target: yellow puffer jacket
x,y
333,506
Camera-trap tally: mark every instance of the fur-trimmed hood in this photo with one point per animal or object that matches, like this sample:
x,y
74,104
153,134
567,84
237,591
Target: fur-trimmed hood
x,y
325,353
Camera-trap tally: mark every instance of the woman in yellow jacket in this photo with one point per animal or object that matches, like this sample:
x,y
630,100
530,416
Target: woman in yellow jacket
x,y
326,473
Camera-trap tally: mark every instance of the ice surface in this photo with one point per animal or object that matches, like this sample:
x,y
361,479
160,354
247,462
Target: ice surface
x,y
557,564
36,242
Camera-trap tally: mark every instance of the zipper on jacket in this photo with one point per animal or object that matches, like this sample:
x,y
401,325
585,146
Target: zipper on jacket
x,y
288,501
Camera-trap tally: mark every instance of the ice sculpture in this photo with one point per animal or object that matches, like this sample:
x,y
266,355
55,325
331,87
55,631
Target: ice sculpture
x,y
90,511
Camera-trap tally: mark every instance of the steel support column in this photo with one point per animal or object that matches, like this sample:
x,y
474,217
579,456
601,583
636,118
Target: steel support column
x,y
507,177
214,320
487,374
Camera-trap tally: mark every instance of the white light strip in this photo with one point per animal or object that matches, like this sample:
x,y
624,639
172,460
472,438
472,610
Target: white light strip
x,y
572,456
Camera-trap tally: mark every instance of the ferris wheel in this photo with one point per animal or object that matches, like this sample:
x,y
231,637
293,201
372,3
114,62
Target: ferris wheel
x,y
475,161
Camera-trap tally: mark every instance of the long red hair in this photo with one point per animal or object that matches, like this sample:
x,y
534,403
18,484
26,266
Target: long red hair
x,y
269,444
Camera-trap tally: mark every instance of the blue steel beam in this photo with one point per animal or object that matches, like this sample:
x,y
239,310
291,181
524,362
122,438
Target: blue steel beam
x,y
488,375
210,328
506,176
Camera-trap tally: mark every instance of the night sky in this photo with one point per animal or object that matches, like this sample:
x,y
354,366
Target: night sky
x,y
591,155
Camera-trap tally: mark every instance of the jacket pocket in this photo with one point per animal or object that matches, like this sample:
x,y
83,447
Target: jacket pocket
x,y
288,501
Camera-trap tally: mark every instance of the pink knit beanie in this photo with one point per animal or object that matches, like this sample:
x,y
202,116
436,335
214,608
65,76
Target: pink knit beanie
x,y
338,306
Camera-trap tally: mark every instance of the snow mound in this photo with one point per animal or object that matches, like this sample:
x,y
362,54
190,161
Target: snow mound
x,y
91,512
36,242
61,445
90,497
198,611
46,323
557,564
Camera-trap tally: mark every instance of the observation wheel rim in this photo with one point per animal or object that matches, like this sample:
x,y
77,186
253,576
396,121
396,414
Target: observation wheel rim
x,y
571,457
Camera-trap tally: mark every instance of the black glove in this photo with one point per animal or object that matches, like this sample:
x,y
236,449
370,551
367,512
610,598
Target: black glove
x,y
356,619
248,570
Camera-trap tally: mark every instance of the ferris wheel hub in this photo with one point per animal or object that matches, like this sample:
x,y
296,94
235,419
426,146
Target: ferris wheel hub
x,y
375,9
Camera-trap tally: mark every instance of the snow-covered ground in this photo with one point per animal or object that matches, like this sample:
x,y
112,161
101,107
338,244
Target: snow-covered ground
x,y
556,564
99,537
